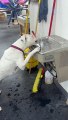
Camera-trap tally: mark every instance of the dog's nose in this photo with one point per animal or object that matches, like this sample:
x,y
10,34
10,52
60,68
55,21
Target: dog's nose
x,y
36,41
25,38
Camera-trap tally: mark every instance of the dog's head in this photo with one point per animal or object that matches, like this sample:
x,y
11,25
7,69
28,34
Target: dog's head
x,y
28,39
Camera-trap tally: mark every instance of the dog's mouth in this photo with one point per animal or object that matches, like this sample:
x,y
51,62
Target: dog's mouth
x,y
34,46
36,41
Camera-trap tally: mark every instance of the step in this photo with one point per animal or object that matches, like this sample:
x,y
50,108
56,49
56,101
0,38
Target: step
x,y
65,85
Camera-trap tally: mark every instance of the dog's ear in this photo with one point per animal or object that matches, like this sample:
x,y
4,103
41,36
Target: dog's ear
x,y
33,34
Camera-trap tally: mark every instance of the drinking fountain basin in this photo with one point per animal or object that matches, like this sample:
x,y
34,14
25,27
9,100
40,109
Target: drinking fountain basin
x,y
49,47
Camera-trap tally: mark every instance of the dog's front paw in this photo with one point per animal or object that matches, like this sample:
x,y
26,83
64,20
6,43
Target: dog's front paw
x,y
37,49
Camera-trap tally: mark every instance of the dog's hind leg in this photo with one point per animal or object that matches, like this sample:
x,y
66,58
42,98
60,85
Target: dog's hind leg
x,y
6,68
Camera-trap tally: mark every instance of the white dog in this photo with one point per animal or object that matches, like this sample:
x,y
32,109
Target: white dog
x,y
13,57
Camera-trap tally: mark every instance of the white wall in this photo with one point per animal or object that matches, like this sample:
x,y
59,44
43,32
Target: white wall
x,y
61,27
60,22
43,27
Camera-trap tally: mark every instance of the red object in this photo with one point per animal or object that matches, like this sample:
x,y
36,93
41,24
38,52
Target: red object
x,y
43,71
22,1
7,1
4,1
33,33
17,48
52,15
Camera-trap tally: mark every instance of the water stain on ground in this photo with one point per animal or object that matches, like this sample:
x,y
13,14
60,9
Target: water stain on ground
x,y
44,102
30,105
8,94
30,90
10,103
15,108
51,110
16,94
18,85
10,89
35,108
16,89
30,111
40,99
59,97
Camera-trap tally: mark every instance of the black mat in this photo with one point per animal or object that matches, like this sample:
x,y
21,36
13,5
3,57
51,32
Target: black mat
x,y
17,100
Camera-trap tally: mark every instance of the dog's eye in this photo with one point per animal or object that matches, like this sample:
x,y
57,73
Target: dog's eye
x,y
25,38
36,41
21,40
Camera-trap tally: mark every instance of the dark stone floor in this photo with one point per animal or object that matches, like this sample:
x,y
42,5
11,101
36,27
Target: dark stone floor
x,y
17,100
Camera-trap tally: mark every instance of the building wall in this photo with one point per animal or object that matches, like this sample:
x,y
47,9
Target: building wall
x,y
60,21
61,27
43,27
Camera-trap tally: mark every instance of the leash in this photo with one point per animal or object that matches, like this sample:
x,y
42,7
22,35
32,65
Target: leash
x,y
51,20
13,46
